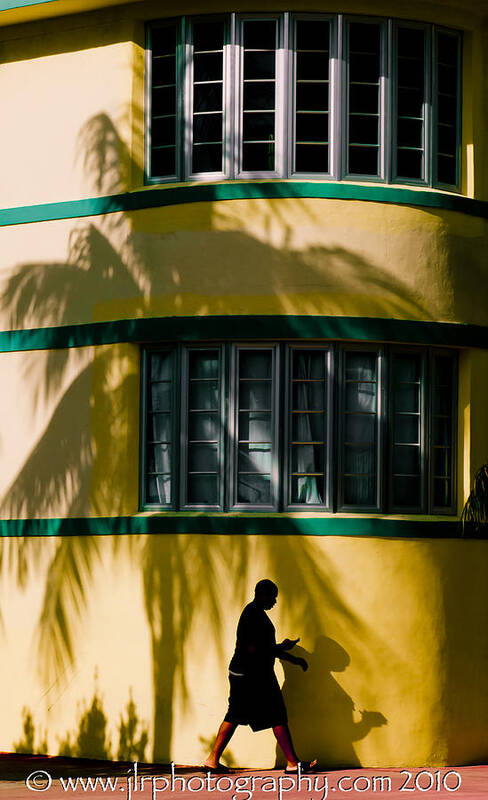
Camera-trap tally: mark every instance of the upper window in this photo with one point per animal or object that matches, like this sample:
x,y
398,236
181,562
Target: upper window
x,y
284,95
299,426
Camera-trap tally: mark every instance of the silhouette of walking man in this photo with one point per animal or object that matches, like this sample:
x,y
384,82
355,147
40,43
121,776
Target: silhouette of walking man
x,y
255,696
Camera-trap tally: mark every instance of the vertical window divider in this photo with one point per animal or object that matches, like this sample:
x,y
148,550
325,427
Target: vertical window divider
x,y
381,427
148,104
187,117
282,95
389,134
332,433
428,107
335,77
229,96
384,98
143,437
342,95
183,104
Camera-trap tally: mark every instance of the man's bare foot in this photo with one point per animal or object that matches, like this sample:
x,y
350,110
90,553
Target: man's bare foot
x,y
215,768
305,766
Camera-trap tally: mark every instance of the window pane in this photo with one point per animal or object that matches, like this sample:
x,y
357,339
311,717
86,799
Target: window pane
x,y
254,489
203,490
163,101
307,490
259,90
254,426
307,446
307,458
253,457
204,395
158,489
203,443
254,451
159,427
446,81
160,396
203,457
204,426
364,97
411,97
159,458
442,430
260,34
208,70
312,96
360,437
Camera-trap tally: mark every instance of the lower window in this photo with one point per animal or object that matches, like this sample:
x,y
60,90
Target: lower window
x,y
299,426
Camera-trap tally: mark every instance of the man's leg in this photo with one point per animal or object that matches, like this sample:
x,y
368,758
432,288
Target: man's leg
x,y
223,737
283,737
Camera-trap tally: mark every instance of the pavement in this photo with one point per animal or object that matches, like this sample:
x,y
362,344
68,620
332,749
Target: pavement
x,y
39,776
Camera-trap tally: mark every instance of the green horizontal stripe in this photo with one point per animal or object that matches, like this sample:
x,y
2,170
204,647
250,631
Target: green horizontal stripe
x,y
203,193
8,5
251,525
157,329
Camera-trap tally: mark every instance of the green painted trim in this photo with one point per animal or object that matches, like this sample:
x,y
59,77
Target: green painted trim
x,y
251,525
209,193
9,5
157,329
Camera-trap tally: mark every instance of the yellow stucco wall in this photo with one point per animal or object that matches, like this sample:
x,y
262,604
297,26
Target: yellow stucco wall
x,y
394,631
331,257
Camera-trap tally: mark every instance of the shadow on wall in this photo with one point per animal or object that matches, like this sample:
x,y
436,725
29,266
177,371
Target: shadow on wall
x,y
91,740
320,712
181,574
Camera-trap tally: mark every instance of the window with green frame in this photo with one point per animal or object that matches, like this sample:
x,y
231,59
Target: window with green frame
x,y
326,96
299,426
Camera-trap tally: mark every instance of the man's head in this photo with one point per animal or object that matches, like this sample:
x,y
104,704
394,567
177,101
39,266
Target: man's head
x,y
265,593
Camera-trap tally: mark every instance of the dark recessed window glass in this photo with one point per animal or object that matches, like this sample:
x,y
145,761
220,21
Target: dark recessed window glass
x,y
259,95
203,442
215,427
411,99
163,101
442,441
446,82
159,428
312,96
360,441
364,73
208,104
308,427
255,446
406,415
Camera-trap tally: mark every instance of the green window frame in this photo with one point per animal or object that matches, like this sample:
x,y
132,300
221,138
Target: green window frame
x,y
299,426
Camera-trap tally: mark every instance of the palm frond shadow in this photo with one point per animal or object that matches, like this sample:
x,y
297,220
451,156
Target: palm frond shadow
x,y
181,574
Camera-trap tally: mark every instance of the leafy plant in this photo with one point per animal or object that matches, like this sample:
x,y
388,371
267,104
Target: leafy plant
x,y
474,516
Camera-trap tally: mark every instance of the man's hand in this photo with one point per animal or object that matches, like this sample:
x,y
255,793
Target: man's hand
x,y
300,662
287,644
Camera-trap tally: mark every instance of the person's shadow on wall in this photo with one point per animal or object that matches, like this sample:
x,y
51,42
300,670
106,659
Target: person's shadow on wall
x,y
320,712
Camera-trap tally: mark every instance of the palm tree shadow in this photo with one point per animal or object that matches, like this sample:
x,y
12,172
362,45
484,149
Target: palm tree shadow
x,y
108,262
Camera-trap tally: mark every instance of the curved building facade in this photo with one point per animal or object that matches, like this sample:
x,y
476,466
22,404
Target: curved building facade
x,y
244,334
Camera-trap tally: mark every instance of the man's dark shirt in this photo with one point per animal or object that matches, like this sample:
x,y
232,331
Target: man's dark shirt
x,y
254,630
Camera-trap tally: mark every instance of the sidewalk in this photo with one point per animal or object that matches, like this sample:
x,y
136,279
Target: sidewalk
x,y
37,776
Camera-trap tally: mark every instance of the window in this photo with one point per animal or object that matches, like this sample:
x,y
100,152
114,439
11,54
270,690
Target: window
x,y
299,426
283,95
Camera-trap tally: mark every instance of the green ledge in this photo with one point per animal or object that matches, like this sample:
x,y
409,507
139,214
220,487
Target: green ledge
x,y
9,5
251,525
158,329
208,193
